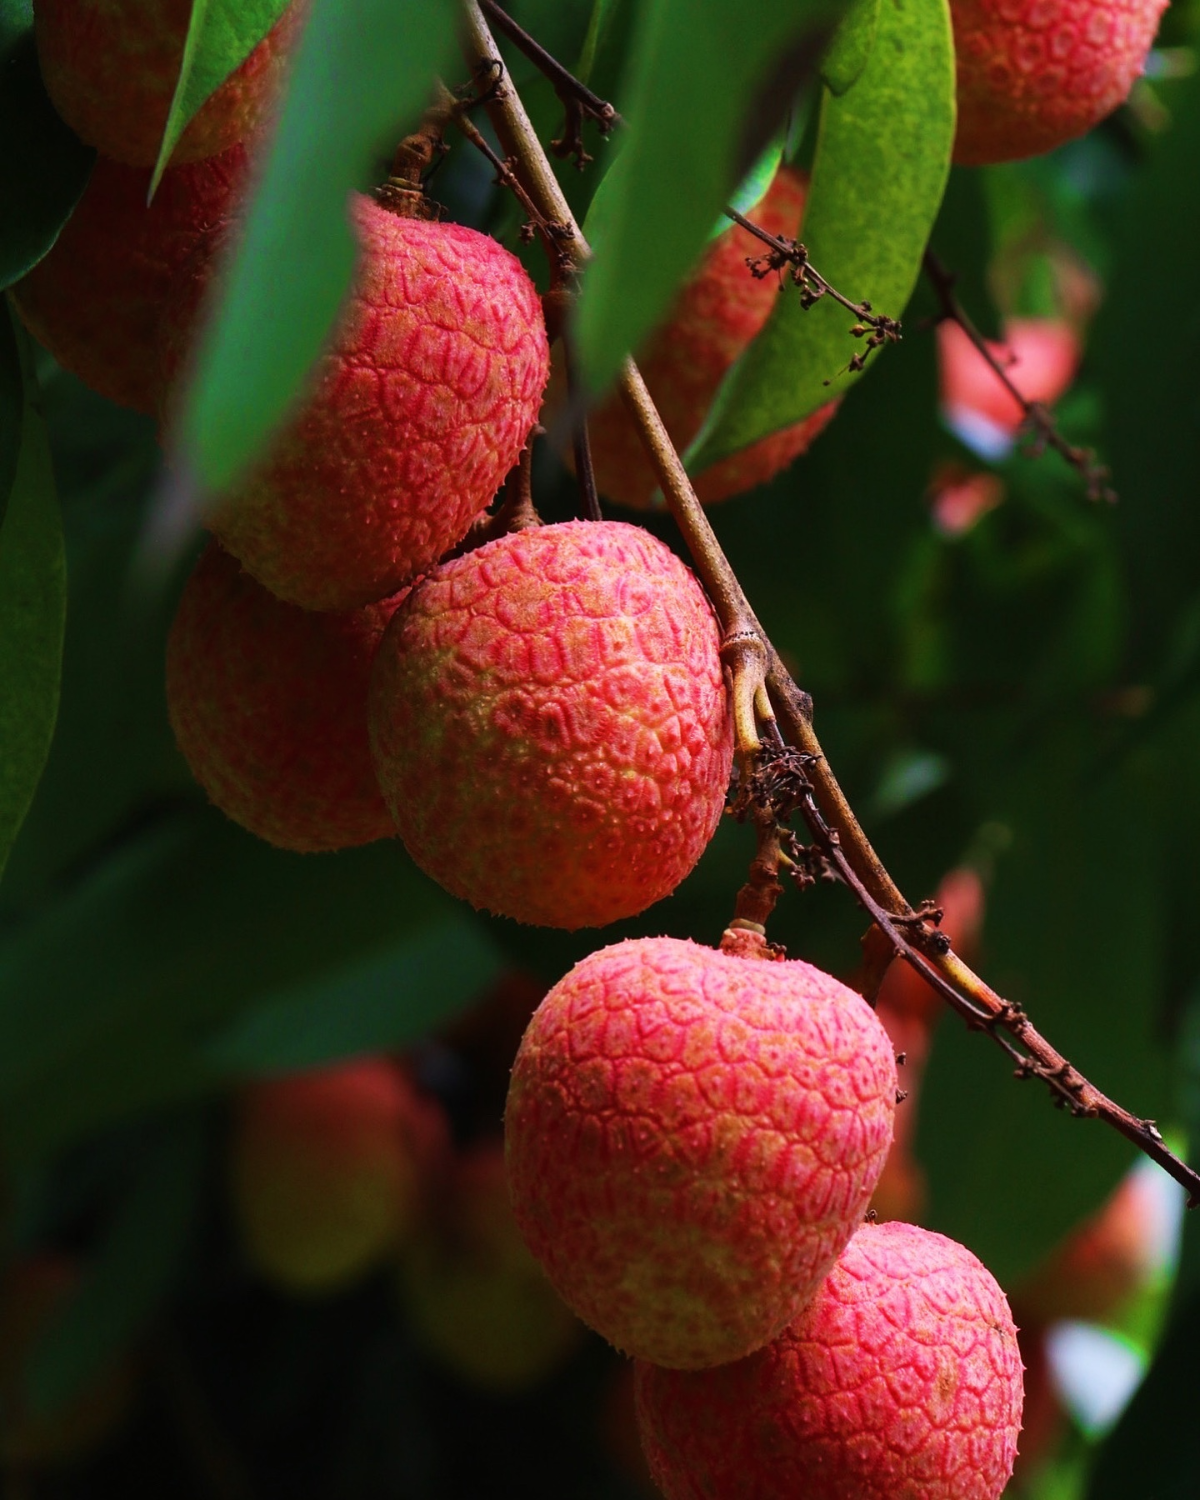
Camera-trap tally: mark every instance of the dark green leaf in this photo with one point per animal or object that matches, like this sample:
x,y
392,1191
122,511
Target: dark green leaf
x,y
138,1262
44,166
111,1002
33,598
221,35
850,49
361,76
694,130
12,401
883,154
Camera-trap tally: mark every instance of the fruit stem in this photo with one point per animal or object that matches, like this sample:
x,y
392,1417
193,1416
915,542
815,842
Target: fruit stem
x,y
820,799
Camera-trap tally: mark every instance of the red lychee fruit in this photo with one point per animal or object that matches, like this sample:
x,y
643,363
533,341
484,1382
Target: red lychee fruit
x,y
269,707
34,1291
900,1381
1035,73
692,1139
98,299
1040,356
476,1298
416,411
327,1171
111,67
550,726
720,309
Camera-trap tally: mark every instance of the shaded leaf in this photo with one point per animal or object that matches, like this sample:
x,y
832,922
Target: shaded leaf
x,y
850,49
44,166
12,399
883,153
697,73
360,78
221,35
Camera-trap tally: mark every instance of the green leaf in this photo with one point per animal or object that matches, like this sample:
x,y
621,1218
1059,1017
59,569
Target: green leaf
x,y
851,47
883,154
114,999
361,76
137,1264
696,125
44,166
12,400
221,36
33,599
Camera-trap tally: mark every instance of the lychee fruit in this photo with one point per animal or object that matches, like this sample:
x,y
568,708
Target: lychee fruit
x,y
1039,355
901,1380
475,1297
415,413
327,1171
692,1139
98,299
111,67
35,1290
720,309
550,726
1035,73
269,707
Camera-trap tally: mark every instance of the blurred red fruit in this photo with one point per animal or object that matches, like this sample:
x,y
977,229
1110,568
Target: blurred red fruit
x,y
1039,355
958,497
903,992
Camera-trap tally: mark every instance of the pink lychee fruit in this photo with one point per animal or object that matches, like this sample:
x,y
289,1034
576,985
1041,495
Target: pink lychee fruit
x,y
97,300
328,1171
1039,355
901,1380
692,1139
269,707
719,310
1035,73
550,725
414,414
476,1299
111,67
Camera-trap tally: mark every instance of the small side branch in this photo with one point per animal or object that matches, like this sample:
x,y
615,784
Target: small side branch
x,y
1038,418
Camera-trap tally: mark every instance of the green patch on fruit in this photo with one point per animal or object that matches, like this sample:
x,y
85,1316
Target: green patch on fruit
x,y
883,156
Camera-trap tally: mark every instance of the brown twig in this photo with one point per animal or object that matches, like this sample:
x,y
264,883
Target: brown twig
x,y
877,328
578,101
1038,418
785,712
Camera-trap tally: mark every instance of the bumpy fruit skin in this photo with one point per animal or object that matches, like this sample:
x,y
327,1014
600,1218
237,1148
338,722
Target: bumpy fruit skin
x,y
111,67
34,1291
269,707
98,299
327,1169
692,1139
719,311
477,1300
1035,73
550,726
900,1381
417,411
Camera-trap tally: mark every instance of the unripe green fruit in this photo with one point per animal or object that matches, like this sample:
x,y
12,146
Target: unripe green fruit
x,y
1035,73
416,411
327,1171
269,707
692,1138
111,67
901,1380
719,310
549,723
97,301
476,1298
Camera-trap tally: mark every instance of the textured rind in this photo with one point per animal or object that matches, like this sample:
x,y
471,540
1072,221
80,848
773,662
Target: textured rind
x,y
692,1139
415,414
325,1171
98,299
1035,73
549,724
900,1381
111,67
718,312
269,707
